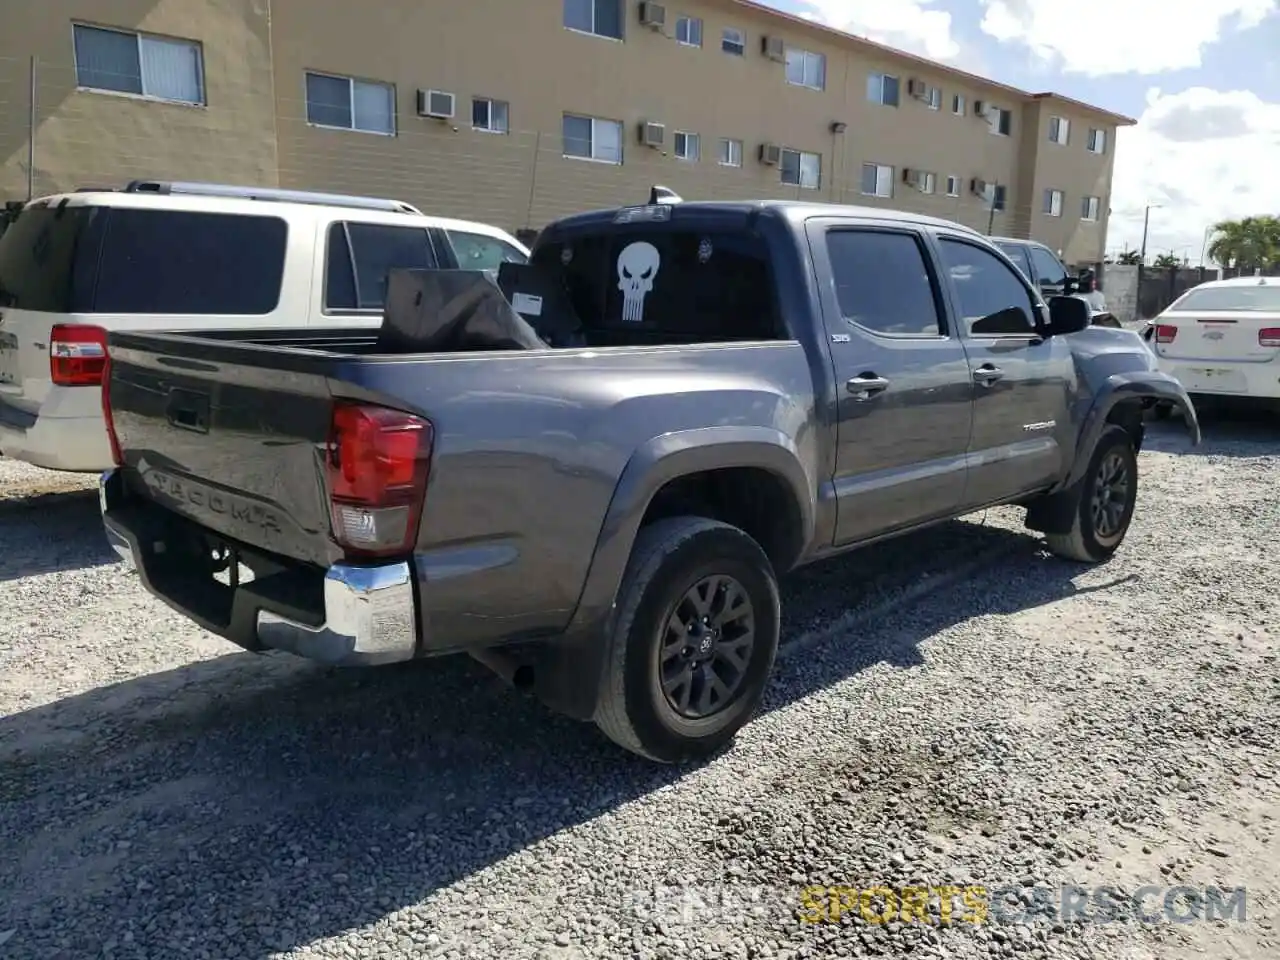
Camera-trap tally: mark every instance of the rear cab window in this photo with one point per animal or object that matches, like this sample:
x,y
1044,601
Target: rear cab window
x,y
674,284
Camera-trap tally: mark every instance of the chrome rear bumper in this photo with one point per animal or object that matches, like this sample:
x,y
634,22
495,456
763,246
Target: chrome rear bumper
x,y
368,611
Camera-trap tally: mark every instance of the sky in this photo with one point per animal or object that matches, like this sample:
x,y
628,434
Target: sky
x,y
1201,77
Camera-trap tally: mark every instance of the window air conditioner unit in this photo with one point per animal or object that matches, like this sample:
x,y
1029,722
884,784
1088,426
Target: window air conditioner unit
x,y
653,15
910,176
437,104
916,88
979,108
978,186
775,48
652,134
770,153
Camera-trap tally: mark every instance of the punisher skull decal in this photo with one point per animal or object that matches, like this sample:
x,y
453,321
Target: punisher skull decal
x,y
637,267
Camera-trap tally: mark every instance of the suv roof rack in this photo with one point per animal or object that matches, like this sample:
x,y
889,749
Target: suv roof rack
x,y
269,193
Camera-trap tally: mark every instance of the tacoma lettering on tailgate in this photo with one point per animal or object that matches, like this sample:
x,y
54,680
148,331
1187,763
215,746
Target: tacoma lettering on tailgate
x,y
200,498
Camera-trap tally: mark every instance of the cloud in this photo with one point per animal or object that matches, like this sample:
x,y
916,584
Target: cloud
x,y
1104,37
1204,155
910,25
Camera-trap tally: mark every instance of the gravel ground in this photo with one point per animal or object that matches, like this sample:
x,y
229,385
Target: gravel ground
x,y
954,708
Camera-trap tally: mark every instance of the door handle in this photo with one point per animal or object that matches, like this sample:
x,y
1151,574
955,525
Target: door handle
x,y
987,374
866,386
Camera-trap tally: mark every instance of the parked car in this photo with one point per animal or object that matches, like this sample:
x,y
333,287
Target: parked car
x,y
1221,338
166,256
1043,268
763,385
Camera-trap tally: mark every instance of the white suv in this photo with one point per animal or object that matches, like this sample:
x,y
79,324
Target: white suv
x,y
186,256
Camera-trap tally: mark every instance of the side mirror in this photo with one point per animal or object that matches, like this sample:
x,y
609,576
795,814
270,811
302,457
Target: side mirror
x,y
1067,315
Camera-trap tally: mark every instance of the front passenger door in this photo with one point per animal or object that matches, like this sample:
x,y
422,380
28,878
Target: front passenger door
x,y
1024,383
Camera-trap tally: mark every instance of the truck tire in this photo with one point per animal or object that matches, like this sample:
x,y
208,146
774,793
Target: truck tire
x,y
699,599
1105,502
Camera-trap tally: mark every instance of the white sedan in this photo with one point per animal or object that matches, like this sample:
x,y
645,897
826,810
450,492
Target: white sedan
x,y
1222,338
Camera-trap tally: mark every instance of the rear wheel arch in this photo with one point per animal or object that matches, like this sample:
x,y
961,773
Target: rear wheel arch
x,y
669,469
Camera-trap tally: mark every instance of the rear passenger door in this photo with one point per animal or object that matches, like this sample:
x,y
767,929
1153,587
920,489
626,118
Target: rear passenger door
x,y
905,398
357,258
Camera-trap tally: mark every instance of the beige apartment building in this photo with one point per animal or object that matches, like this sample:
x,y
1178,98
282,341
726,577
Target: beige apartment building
x,y
518,112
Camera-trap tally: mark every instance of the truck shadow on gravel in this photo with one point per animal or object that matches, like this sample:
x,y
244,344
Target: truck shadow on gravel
x,y
249,804
51,532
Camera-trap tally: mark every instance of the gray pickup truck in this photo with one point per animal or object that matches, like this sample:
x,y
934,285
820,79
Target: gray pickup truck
x,y
748,387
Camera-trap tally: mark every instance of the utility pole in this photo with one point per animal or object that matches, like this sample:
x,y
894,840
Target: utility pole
x,y
991,211
1146,219
32,120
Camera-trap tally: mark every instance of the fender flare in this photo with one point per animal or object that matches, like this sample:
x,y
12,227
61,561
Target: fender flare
x,y
1118,388
570,669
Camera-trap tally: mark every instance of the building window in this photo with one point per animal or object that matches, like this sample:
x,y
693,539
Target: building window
x,y
995,194
1001,120
877,180
689,31
882,88
1089,208
953,186
1059,130
1052,206
491,116
928,182
734,41
1097,141
958,105
933,97
688,146
801,169
146,66
591,138
603,18
350,104
805,69
730,153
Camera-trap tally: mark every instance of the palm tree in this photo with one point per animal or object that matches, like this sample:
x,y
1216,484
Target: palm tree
x,y
1247,244
1130,258
1166,261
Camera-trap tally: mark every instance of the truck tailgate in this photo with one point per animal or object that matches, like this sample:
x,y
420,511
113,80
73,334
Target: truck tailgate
x,y
186,412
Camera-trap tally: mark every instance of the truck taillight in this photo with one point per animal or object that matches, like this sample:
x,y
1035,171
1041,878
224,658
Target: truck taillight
x,y
1269,337
114,440
1165,332
378,463
77,355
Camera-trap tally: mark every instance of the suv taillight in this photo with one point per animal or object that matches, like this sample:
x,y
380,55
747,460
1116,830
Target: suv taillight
x,y
77,355
378,462
1269,337
1165,332
114,440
